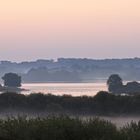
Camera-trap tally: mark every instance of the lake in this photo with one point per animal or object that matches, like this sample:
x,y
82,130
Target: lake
x,y
74,89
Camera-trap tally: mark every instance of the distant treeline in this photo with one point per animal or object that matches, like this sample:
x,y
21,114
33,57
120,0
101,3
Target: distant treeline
x,y
65,128
72,69
101,104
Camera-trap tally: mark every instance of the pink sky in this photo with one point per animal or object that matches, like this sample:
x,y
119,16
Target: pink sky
x,y
34,29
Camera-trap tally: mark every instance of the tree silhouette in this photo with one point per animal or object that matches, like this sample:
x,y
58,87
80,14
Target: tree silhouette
x,y
132,87
12,80
114,83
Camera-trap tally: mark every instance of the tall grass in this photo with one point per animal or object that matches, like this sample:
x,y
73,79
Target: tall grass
x,y
65,128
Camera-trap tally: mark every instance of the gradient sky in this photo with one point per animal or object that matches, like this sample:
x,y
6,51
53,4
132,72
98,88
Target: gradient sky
x,y
32,29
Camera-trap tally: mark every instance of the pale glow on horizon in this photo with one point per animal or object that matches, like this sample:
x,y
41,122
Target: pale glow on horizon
x,y
76,28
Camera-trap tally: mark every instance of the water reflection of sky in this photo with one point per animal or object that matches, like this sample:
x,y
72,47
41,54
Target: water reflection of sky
x,y
74,89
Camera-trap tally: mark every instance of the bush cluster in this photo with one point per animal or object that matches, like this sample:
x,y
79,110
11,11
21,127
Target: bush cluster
x,y
101,104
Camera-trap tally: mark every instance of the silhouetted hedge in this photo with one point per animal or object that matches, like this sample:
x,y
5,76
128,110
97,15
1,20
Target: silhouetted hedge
x,y
101,104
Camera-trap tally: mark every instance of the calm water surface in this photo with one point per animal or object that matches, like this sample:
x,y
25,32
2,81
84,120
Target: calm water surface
x,y
74,89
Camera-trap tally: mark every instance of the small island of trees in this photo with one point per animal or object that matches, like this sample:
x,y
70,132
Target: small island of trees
x,y
115,85
12,80
12,83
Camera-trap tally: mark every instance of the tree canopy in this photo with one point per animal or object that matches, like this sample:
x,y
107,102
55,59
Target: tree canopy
x,y
114,83
12,80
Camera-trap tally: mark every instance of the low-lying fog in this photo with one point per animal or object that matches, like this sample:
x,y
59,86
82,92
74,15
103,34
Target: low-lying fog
x,y
122,121
119,121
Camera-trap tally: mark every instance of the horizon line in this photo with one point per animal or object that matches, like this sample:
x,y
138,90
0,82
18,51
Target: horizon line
x,y
76,58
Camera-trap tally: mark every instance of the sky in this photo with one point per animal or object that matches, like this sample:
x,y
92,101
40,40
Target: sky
x,y
44,29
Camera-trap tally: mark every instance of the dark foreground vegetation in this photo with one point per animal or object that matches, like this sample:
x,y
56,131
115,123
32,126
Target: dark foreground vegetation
x,y
103,103
65,128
